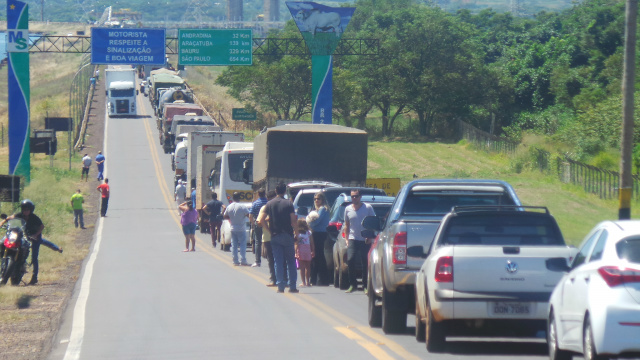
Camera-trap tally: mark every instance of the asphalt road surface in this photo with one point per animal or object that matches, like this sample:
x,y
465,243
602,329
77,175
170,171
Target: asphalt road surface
x,y
140,297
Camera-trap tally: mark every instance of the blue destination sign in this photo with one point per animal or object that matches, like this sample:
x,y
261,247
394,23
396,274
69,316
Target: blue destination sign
x,y
127,46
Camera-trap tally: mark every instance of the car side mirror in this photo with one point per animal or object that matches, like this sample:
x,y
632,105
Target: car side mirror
x,y
372,223
557,264
368,234
303,211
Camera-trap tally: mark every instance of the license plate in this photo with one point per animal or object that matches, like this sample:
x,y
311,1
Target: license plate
x,y
510,309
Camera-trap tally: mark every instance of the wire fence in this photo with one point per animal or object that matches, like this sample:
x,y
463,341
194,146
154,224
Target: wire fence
x,y
484,140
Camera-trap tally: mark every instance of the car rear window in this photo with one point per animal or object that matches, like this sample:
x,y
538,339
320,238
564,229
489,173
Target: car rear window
x,y
306,200
629,249
417,203
502,230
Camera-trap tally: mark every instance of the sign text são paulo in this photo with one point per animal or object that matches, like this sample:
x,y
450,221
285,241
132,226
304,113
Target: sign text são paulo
x,y
215,47
127,46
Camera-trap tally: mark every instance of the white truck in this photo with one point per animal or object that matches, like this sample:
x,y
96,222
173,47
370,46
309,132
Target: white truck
x,y
193,141
121,92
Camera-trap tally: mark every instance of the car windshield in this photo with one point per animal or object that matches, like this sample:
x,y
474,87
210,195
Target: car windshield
x,y
381,210
332,193
419,203
502,230
629,249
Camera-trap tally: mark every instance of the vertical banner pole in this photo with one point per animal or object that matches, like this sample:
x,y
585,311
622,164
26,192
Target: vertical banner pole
x,y
19,94
321,89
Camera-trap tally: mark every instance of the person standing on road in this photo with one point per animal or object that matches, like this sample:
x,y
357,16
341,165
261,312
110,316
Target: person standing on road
x,y
180,193
357,247
304,251
188,220
257,230
100,164
86,163
282,221
262,220
76,204
33,230
214,209
237,214
319,272
105,191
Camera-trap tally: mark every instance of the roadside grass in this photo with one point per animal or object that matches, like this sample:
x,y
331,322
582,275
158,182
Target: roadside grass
x,y
50,187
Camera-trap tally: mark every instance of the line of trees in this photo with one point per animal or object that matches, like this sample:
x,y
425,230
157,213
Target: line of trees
x,y
555,74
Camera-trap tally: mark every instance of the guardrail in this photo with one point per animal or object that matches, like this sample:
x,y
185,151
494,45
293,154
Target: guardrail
x,y
485,140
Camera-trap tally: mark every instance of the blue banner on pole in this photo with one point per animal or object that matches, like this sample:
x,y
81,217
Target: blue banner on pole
x,y
19,94
322,89
127,46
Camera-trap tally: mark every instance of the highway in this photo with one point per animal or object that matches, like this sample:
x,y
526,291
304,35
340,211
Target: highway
x,y
140,297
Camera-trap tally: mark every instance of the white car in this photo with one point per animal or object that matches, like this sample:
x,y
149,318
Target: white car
x,y
487,274
595,308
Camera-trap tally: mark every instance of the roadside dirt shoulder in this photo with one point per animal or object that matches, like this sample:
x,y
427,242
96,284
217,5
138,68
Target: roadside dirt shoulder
x,y
38,316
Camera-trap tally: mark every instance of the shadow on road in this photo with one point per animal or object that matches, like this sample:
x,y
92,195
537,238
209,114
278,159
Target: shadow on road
x,y
499,347
24,301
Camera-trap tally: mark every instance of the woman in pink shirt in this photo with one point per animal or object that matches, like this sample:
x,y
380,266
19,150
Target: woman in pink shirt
x,y
188,220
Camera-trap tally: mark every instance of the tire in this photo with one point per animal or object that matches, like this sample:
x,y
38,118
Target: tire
x,y
435,335
374,311
18,273
343,279
8,269
555,353
420,326
588,347
394,321
336,278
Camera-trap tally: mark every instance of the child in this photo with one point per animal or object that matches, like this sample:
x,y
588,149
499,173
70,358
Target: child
x,y
304,251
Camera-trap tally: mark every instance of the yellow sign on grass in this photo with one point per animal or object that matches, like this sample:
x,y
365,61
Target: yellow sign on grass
x,y
390,185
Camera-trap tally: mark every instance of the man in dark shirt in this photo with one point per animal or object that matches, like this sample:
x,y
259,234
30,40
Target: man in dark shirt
x,y
214,209
282,221
33,230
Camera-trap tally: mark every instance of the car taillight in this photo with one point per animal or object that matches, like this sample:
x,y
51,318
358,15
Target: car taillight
x,y
444,269
337,224
614,275
400,248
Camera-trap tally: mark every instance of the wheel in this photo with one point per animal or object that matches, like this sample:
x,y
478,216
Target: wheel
x,y
5,270
374,311
555,353
394,321
588,346
420,327
8,268
336,278
435,336
18,273
343,278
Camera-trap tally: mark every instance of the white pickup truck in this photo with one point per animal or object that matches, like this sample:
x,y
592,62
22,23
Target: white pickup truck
x,y
486,274
406,234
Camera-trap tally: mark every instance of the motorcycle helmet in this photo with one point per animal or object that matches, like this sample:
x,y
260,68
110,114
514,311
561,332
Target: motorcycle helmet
x,y
27,204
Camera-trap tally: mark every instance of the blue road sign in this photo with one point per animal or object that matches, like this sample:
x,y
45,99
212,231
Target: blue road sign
x,y
127,46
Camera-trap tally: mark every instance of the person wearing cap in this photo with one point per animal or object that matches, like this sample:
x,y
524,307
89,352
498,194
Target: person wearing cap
x,y
180,193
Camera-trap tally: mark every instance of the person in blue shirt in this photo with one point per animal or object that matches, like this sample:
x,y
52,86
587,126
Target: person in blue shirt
x,y
193,197
100,164
257,230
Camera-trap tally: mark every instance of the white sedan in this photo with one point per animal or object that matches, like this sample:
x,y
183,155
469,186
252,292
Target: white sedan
x,y
595,308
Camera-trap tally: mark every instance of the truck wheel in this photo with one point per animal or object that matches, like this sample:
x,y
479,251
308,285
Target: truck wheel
x,y
420,327
435,337
394,321
374,311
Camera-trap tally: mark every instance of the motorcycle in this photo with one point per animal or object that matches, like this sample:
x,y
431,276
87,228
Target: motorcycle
x,y
14,252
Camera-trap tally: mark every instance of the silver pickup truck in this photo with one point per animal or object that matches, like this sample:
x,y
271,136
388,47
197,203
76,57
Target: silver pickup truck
x,y
406,234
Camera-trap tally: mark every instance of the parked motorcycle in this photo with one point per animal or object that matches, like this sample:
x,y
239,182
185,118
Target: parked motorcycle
x,y
14,252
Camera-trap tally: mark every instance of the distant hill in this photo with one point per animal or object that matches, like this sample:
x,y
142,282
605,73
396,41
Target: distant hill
x,y
215,10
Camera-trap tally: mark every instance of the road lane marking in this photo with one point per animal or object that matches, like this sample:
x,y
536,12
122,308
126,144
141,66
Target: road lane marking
x,y
336,319
78,324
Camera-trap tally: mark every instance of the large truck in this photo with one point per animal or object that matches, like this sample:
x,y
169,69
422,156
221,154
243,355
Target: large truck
x,y
293,153
196,139
160,81
182,124
121,92
164,123
172,95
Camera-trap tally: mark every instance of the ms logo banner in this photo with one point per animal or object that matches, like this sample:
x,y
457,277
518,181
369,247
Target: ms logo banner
x,y
19,93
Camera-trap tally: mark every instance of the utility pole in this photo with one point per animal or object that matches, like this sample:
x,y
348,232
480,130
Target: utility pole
x,y
626,142
42,10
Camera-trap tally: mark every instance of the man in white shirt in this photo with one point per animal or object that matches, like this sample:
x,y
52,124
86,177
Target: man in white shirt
x,y
237,214
180,193
86,164
357,247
